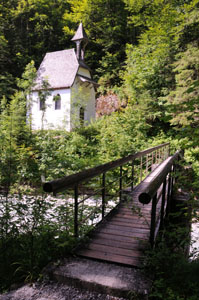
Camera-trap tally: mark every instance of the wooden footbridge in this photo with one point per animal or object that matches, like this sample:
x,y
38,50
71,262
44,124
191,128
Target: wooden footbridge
x,y
123,202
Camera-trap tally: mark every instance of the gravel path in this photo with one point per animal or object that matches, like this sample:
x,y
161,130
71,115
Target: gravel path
x,y
53,291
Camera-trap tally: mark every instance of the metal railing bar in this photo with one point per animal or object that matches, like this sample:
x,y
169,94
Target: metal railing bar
x,y
162,211
123,176
61,184
157,227
76,231
159,193
150,159
91,195
103,194
116,180
109,183
117,193
132,175
168,194
153,218
127,183
111,195
97,209
141,170
120,182
80,202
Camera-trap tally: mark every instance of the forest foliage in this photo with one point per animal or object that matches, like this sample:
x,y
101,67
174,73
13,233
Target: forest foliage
x,y
146,52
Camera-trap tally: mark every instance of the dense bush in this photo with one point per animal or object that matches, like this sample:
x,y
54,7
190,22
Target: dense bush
x,y
34,231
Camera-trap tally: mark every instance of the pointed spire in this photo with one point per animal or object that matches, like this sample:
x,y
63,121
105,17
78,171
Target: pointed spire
x,y
80,34
81,40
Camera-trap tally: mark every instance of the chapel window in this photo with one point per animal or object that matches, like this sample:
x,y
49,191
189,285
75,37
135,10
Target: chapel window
x,y
57,99
81,115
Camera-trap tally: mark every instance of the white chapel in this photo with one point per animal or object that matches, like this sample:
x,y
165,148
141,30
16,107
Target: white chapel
x,y
70,96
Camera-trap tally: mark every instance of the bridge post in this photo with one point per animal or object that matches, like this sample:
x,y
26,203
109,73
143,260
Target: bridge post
x,y
141,168
120,192
168,208
147,161
103,193
156,156
132,175
163,204
74,180
76,229
153,220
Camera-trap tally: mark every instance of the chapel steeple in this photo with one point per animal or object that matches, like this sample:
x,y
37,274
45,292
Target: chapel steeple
x,y
81,40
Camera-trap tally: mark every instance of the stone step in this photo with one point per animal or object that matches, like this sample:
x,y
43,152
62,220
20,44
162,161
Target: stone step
x,y
100,277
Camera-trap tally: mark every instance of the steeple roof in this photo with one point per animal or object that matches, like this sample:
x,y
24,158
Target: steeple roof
x,y
61,67
80,34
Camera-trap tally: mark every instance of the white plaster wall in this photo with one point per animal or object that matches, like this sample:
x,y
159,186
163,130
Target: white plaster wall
x,y
90,106
80,95
90,110
83,95
59,119
84,72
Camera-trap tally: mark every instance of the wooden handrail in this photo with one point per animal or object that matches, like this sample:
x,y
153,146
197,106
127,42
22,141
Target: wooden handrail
x,y
150,190
151,185
62,184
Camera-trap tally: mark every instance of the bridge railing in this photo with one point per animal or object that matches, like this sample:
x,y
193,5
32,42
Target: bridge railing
x,y
97,190
158,188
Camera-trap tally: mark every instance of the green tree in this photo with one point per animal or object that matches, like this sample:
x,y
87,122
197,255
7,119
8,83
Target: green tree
x,y
183,101
107,27
28,29
17,156
149,75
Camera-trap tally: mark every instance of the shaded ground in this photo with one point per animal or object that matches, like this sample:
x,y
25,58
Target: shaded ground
x,y
53,291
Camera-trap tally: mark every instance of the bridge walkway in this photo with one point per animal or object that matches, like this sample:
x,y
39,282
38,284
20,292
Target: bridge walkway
x,y
122,237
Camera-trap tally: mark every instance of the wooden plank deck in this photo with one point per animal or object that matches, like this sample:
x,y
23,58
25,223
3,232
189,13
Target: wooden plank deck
x,y
121,237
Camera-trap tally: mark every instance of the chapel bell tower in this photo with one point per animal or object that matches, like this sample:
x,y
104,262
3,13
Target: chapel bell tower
x,y
81,40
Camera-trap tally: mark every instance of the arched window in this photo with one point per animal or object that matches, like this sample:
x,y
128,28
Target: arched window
x,y
41,101
81,115
41,105
57,99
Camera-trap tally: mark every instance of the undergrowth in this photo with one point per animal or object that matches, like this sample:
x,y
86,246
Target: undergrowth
x,y
170,265
34,231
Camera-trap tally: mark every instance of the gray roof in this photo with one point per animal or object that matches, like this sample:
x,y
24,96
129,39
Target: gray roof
x,y
58,68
